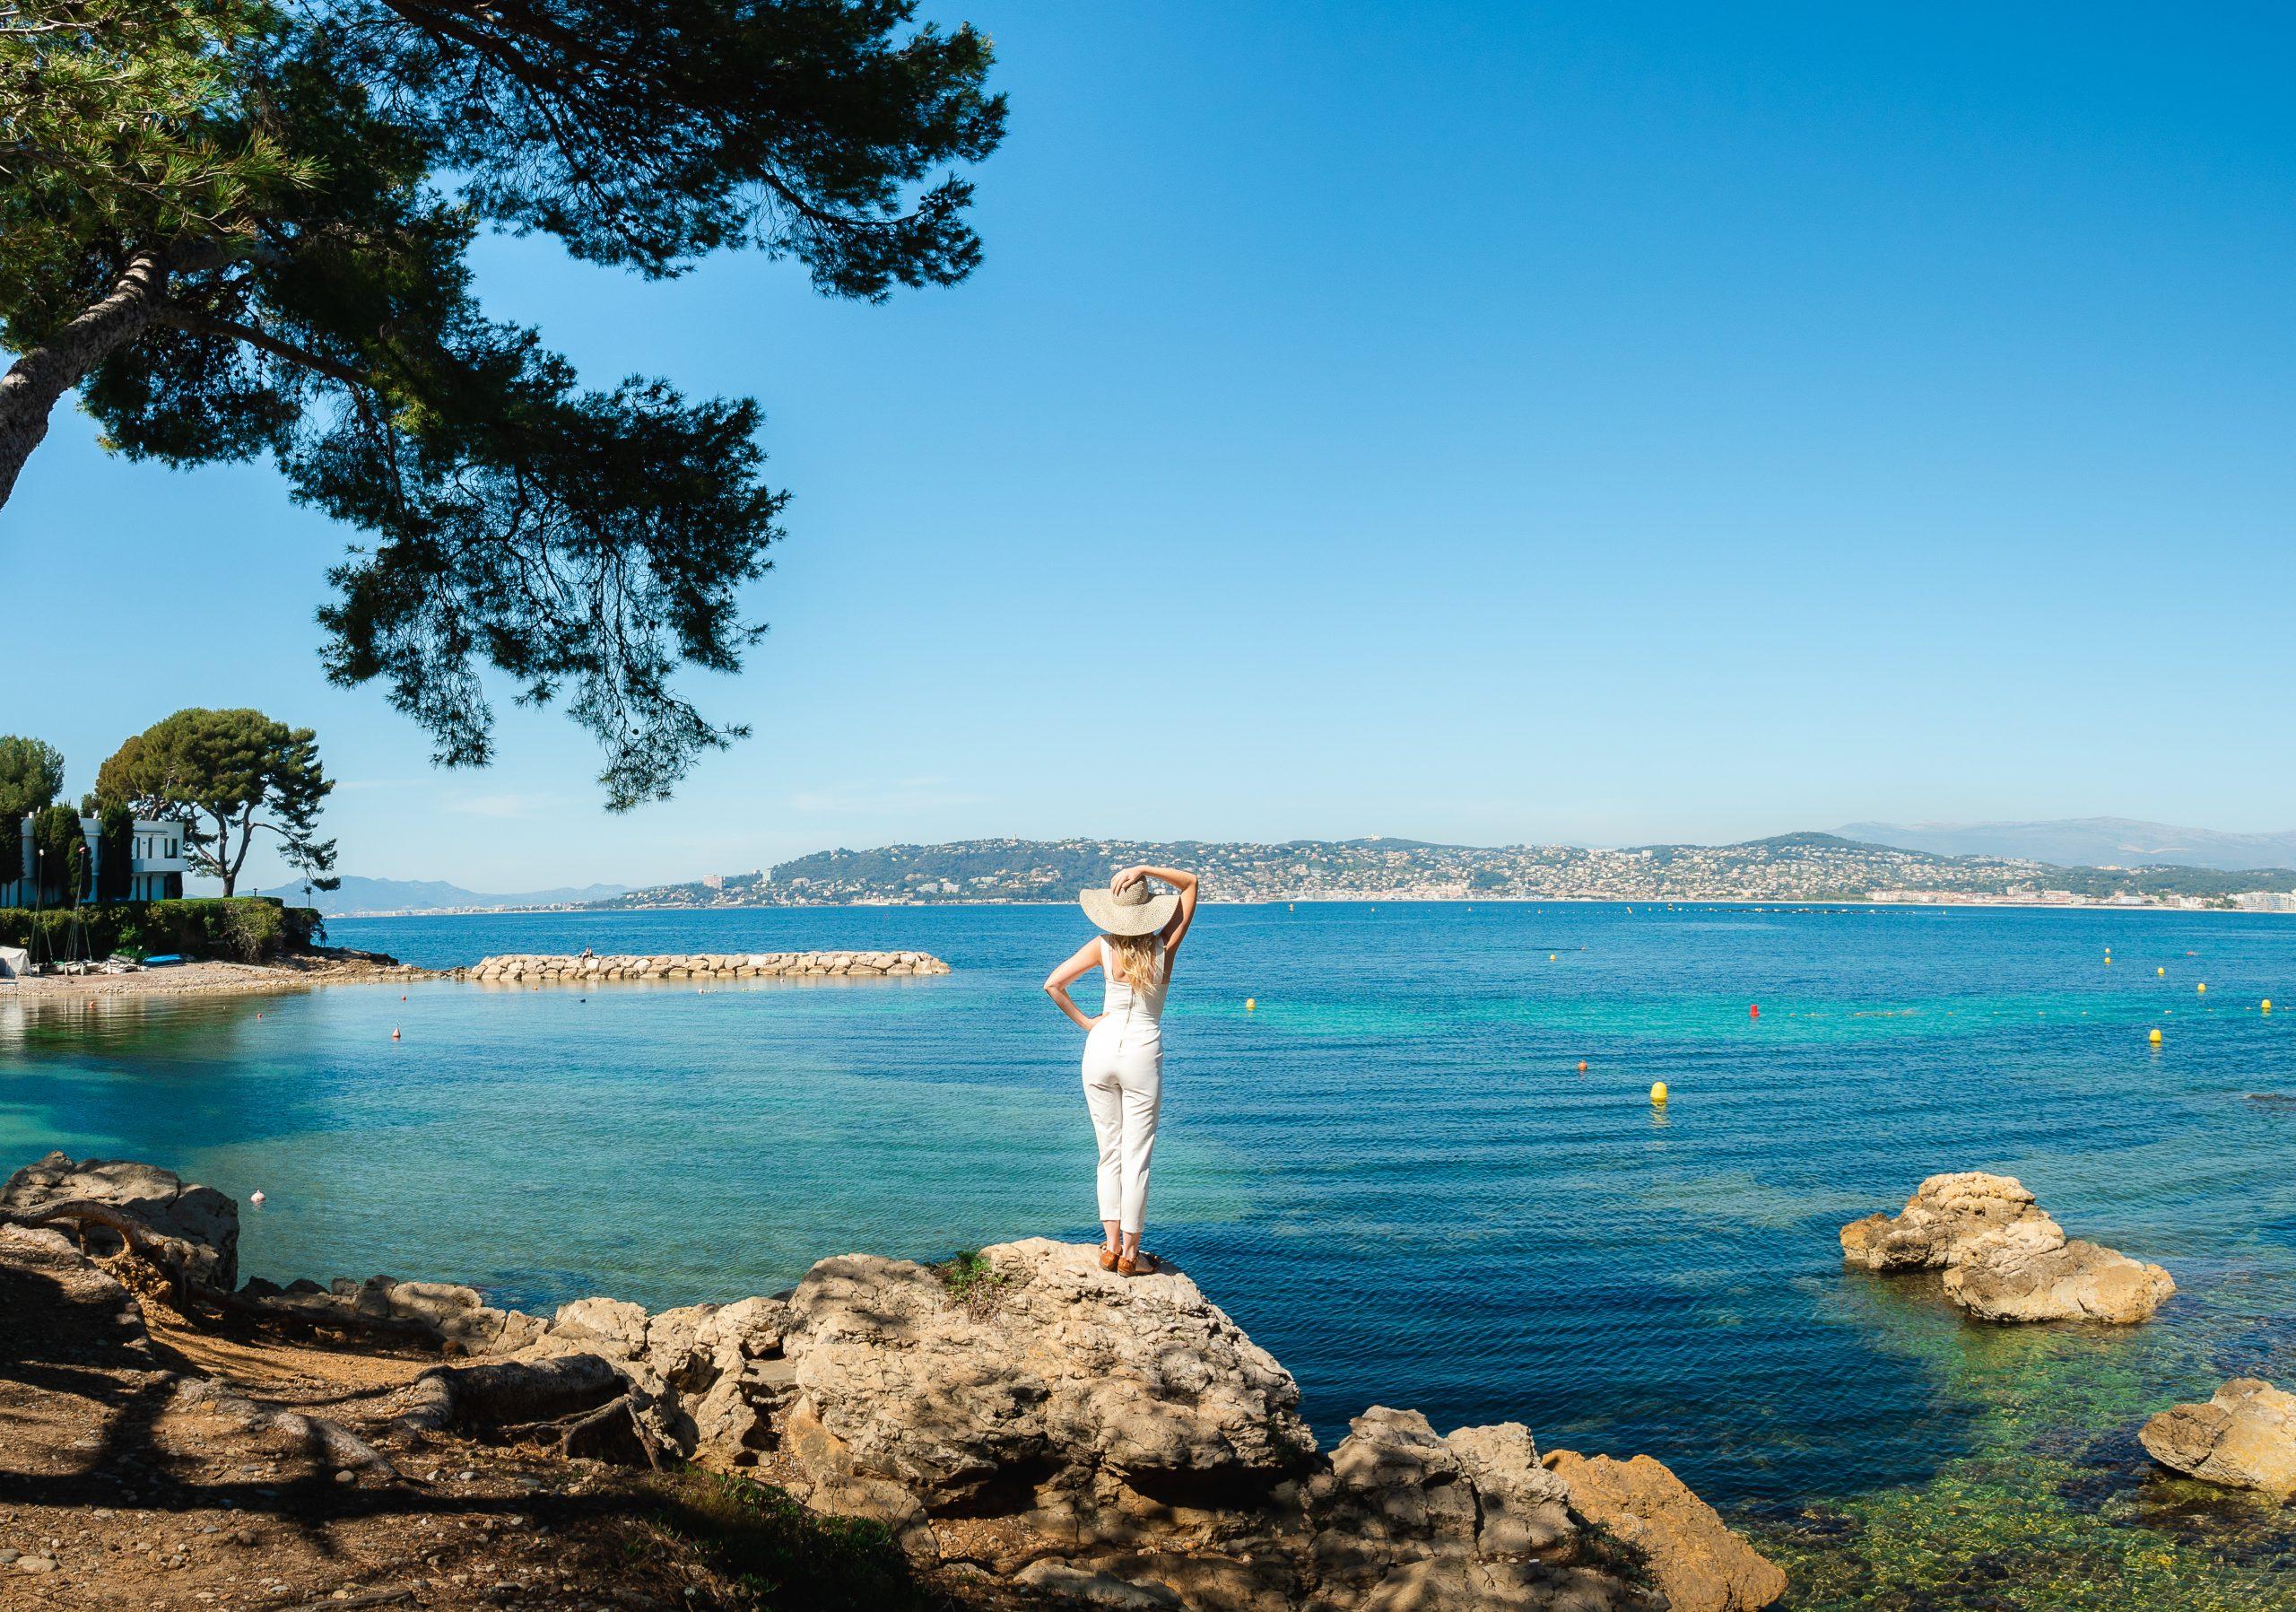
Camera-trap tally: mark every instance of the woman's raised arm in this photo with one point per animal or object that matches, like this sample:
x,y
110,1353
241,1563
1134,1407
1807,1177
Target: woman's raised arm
x,y
1179,879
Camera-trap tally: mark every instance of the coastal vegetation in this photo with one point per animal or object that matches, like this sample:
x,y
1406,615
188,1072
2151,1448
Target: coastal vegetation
x,y
238,928
241,229
31,773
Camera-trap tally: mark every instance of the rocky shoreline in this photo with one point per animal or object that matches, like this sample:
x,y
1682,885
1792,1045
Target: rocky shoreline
x,y
1023,1417
216,978
1014,1429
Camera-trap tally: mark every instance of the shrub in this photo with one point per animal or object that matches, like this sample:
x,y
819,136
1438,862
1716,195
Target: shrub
x,y
784,1555
244,928
974,1281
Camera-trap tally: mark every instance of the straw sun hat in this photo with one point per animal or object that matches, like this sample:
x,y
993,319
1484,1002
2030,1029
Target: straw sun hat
x,y
1134,910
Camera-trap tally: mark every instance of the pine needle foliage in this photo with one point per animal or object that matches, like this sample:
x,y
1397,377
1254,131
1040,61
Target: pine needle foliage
x,y
241,231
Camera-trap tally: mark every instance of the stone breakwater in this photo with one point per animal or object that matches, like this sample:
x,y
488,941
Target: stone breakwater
x,y
1089,1440
525,969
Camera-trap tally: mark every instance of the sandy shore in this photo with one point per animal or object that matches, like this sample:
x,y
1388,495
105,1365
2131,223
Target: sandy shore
x,y
219,979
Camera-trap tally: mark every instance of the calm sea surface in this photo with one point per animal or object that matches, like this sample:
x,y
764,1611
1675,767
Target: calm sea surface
x,y
1393,1174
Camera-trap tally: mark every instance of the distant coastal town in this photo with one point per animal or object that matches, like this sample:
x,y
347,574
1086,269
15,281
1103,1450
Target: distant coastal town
x,y
1787,868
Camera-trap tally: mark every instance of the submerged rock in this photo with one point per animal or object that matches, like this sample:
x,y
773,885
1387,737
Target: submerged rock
x,y
2004,1257
201,1223
2243,1437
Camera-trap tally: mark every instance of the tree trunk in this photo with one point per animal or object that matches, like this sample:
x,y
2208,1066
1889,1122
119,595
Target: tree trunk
x,y
223,843
30,390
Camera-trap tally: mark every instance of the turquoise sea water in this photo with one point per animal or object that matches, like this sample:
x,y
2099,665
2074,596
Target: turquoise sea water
x,y
1392,1174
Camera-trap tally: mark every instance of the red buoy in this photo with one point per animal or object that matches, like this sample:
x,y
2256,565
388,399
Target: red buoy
x,y
1582,1066
1754,1012
393,1032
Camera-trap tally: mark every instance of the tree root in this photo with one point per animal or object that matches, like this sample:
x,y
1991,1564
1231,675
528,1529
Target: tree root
x,y
580,1403
333,1444
604,1433
187,1293
81,1213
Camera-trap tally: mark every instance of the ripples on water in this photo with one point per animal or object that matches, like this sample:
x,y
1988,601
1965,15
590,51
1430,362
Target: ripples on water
x,y
1392,1174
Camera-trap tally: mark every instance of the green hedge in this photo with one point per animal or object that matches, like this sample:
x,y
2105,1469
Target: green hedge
x,y
247,928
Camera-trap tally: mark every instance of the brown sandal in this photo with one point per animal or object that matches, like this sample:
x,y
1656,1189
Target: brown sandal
x,y
1108,1258
1138,1262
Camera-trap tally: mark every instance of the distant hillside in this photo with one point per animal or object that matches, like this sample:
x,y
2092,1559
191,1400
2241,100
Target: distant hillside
x,y
2088,842
1800,866
360,895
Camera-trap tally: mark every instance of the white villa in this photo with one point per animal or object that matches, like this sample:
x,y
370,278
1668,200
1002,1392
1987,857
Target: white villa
x,y
155,864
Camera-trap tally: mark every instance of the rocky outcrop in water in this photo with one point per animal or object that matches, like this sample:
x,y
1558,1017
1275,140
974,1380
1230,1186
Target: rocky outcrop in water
x,y
2004,1257
529,970
1950,1220
1113,1441
200,1225
2243,1437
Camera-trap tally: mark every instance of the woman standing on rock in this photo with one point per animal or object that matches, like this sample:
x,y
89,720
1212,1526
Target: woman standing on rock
x,y
1141,931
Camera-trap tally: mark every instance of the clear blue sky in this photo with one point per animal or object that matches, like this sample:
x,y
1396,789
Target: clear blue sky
x,y
1486,422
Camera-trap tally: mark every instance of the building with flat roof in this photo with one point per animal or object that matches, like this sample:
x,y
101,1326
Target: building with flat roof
x,y
156,863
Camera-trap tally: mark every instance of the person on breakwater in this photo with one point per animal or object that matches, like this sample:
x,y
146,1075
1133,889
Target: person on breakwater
x,y
1141,931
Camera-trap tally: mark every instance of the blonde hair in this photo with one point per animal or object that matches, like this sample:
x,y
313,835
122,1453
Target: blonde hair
x,y
1136,959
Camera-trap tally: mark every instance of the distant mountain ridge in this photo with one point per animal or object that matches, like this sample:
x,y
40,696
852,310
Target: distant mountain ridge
x,y
2087,842
365,896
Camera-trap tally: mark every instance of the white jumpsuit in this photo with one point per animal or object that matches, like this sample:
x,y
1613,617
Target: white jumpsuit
x,y
1124,1086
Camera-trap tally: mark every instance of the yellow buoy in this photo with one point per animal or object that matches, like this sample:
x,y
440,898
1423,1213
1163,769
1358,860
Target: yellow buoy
x,y
1250,1004
2268,1004
1658,1093
2154,1038
2161,971
1550,956
2202,987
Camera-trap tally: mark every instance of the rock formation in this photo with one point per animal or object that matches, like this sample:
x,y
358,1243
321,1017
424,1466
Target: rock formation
x,y
527,969
2243,1437
1114,1443
1700,1565
1950,1220
200,1226
2003,1259
2080,1281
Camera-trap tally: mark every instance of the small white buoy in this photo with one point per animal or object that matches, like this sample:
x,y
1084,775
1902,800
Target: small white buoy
x,y
255,1196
